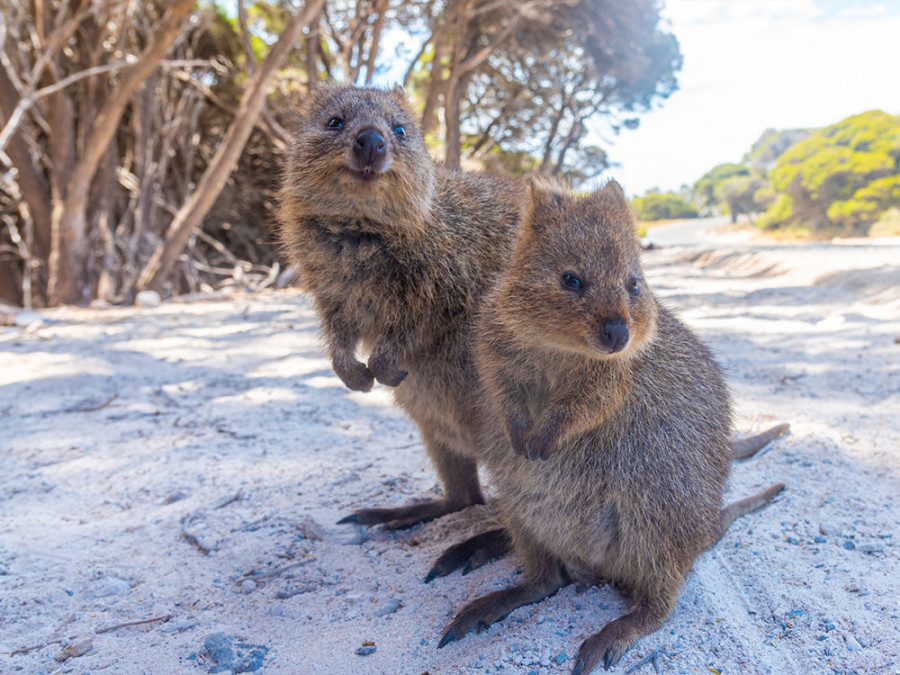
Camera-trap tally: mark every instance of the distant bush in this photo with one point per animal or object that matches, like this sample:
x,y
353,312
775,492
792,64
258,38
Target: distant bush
x,y
663,206
841,178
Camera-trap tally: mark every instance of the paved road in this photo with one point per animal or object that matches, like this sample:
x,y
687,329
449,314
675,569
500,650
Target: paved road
x,y
686,232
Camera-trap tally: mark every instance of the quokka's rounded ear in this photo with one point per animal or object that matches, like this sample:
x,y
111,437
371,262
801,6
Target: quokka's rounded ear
x,y
399,92
546,193
612,189
319,93
545,204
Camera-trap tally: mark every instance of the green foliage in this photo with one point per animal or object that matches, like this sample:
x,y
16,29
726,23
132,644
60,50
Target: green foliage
x,y
867,203
738,193
662,206
779,212
705,188
842,176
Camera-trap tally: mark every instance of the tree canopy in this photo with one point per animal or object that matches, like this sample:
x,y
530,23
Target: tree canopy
x,y
122,122
841,179
657,205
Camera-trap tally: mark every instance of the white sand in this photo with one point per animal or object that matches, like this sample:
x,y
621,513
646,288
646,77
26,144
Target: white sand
x,y
123,428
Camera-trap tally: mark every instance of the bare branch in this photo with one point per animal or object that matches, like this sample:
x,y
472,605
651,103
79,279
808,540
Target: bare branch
x,y
15,119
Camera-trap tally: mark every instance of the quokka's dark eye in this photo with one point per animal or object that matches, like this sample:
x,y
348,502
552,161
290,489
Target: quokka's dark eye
x,y
571,281
634,286
399,130
335,123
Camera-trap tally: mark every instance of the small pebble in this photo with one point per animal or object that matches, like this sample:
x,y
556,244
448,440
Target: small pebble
x,y
359,536
77,647
248,586
389,607
365,651
176,496
852,643
829,529
849,545
218,647
872,547
819,539
147,299
561,658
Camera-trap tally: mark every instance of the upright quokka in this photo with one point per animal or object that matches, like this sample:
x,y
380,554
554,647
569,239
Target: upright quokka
x,y
397,253
612,448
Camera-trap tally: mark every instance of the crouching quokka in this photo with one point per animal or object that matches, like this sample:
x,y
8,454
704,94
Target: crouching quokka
x,y
612,451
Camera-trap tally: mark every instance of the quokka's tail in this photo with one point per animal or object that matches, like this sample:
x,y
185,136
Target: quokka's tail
x,y
746,505
744,448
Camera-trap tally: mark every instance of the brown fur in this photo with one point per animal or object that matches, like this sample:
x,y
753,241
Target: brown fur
x,y
397,265
635,443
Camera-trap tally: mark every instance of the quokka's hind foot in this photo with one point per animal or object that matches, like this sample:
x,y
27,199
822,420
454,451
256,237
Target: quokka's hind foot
x,y
617,637
470,554
403,516
493,607
745,448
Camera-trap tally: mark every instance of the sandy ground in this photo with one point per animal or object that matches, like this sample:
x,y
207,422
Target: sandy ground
x,y
185,466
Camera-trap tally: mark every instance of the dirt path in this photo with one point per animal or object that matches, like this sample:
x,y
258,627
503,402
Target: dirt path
x,y
187,464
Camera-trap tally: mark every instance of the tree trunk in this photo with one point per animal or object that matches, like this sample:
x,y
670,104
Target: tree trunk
x,y
69,245
551,138
10,291
452,112
575,133
381,7
453,92
216,175
435,85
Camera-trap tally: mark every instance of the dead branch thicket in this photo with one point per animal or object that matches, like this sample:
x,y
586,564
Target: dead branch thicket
x,y
141,142
67,62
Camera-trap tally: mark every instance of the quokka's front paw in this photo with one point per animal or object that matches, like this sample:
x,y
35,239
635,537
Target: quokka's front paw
x,y
354,375
538,448
543,441
517,430
385,370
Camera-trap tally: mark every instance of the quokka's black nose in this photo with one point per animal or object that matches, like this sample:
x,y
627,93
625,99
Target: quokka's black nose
x,y
614,334
369,147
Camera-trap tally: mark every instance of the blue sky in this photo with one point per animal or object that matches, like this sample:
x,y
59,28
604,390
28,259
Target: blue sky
x,y
754,64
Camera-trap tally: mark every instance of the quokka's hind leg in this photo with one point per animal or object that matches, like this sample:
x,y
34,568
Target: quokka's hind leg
x,y
545,576
608,646
746,505
401,517
745,448
459,476
471,553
